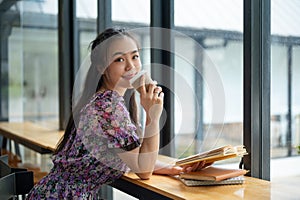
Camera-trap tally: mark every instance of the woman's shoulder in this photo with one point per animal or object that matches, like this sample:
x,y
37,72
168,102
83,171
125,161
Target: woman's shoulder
x,y
103,100
108,96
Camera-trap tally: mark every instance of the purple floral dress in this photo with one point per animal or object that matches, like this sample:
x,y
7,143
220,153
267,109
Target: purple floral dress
x,y
89,158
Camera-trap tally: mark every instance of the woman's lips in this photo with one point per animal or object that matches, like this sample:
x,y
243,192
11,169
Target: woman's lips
x,y
129,76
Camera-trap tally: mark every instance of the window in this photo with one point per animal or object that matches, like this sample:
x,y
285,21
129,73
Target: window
x,y
131,11
86,13
209,81
33,95
285,80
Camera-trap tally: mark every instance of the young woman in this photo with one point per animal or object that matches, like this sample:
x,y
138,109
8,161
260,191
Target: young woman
x,y
103,138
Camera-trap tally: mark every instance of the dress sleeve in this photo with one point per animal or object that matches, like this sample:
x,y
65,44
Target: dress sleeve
x,y
117,127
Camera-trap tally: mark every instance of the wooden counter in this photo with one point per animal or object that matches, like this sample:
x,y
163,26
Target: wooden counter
x,y
166,187
44,140
36,137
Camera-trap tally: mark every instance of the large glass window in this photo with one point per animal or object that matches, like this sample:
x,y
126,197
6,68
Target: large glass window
x,y
33,61
29,65
285,96
209,83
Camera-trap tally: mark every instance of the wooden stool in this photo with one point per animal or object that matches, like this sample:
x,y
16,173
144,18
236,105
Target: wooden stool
x,y
13,159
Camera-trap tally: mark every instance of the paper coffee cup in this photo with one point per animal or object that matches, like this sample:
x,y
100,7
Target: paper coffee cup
x,y
136,80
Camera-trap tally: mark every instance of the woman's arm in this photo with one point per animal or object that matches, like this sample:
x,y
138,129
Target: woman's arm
x,y
142,160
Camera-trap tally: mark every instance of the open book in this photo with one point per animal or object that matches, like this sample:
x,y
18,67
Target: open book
x,y
221,153
213,174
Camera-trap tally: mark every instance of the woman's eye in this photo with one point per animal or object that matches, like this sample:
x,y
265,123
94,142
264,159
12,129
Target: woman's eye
x,y
119,60
135,57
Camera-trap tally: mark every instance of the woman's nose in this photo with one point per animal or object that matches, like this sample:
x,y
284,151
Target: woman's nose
x,y
130,65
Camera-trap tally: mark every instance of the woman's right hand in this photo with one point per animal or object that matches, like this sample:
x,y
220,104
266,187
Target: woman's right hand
x,y
152,98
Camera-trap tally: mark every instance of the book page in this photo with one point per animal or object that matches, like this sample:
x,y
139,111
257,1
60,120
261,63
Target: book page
x,y
221,153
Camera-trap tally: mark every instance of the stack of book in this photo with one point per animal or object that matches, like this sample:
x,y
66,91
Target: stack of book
x,y
213,175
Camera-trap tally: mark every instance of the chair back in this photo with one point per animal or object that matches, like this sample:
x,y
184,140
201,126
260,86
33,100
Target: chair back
x,y
14,181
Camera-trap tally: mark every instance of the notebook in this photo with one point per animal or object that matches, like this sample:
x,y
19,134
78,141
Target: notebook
x,y
231,181
213,174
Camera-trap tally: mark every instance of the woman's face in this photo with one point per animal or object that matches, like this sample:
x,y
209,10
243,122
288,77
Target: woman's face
x,y
124,62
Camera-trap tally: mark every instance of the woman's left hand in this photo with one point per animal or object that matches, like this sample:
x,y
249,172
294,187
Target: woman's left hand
x,y
195,166
169,169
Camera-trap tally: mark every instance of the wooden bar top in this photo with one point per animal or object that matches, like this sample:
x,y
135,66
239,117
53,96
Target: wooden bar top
x,y
171,187
44,140
31,135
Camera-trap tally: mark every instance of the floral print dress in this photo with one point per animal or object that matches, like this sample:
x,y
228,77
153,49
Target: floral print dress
x,y
89,158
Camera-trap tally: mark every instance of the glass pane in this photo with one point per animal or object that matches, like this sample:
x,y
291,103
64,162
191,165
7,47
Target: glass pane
x,y
285,96
86,13
131,11
33,61
86,9
209,81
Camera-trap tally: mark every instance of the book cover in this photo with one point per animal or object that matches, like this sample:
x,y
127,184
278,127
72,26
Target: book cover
x,y
230,181
220,153
213,174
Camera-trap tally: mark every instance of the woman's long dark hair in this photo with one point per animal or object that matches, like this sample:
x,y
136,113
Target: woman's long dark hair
x,y
98,58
